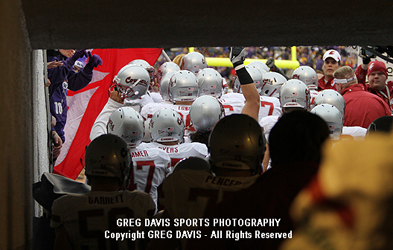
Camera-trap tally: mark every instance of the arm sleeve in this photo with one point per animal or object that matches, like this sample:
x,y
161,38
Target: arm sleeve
x,y
77,81
99,126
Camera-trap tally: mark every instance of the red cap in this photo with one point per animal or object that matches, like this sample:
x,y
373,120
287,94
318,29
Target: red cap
x,y
377,66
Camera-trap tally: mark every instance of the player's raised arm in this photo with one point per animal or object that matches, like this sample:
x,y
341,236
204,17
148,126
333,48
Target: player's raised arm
x,y
250,92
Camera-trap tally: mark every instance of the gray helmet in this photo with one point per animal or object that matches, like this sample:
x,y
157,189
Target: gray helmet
x,y
145,65
210,82
256,75
108,156
132,81
295,94
183,86
193,61
165,68
237,142
127,123
331,96
260,65
332,117
166,125
205,112
164,84
307,75
271,84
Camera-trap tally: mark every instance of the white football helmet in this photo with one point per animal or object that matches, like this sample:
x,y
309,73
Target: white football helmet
x,y
205,112
331,96
127,123
108,156
237,142
256,75
307,75
295,94
145,65
132,81
164,85
166,125
183,86
332,117
193,61
260,65
210,82
271,84
165,68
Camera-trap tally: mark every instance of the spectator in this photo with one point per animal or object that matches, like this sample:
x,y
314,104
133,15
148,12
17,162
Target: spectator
x,y
361,107
63,78
378,83
80,218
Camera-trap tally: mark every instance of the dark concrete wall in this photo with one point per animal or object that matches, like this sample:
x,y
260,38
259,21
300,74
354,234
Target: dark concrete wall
x,y
16,141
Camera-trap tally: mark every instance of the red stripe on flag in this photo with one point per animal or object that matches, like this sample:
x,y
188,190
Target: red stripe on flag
x,y
71,160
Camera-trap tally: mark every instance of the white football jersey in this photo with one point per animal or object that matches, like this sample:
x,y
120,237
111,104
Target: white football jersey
x,y
231,103
180,151
88,217
150,167
156,97
267,123
356,132
99,126
313,94
268,106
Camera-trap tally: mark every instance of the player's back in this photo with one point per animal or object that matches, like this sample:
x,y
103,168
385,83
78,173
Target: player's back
x,y
87,218
231,103
188,193
151,166
180,151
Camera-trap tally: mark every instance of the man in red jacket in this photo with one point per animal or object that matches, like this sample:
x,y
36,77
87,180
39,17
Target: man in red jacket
x,y
331,62
377,82
361,107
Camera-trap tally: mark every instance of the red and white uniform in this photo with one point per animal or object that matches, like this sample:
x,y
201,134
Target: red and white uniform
x,y
313,94
269,105
86,217
231,103
180,151
267,123
150,167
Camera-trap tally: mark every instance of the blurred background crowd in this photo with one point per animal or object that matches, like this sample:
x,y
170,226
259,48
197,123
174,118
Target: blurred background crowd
x,y
306,55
